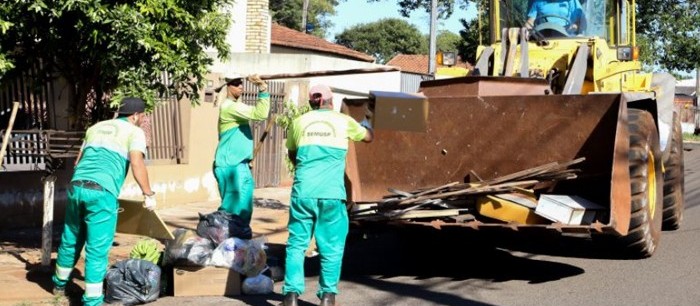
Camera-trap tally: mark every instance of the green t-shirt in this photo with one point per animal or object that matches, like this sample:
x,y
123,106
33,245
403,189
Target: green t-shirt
x,y
105,153
320,139
235,137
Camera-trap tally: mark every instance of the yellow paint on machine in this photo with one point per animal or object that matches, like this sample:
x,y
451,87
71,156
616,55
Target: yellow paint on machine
x,y
511,208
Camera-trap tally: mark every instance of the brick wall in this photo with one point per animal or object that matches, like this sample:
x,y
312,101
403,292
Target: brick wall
x,y
258,29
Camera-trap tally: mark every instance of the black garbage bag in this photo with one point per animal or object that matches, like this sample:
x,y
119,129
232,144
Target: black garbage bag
x,y
220,225
132,282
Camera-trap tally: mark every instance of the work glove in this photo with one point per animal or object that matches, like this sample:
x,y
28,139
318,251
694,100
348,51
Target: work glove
x,y
149,201
255,79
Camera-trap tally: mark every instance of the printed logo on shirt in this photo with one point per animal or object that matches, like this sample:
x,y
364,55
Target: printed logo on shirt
x,y
107,129
319,129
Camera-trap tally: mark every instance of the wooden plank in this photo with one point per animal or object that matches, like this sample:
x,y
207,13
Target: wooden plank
x,y
133,218
47,227
474,190
429,191
519,174
438,213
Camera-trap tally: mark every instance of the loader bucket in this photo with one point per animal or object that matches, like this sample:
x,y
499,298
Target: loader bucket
x,y
472,128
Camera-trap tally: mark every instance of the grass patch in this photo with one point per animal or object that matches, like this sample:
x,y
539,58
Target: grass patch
x,y
690,137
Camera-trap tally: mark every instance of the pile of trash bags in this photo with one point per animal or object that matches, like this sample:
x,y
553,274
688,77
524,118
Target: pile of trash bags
x,y
221,240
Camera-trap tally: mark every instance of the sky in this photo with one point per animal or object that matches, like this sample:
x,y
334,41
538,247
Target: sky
x,y
353,12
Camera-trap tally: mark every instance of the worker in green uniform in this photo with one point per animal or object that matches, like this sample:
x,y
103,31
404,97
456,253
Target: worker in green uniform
x,y
109,148
235,149
318,143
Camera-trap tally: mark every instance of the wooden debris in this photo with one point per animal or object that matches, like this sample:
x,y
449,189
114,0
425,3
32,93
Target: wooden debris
x,y
454,202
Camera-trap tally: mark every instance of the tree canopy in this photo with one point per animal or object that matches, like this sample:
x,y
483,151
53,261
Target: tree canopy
x,y
447,41
113,48
670,31
289,14
383,39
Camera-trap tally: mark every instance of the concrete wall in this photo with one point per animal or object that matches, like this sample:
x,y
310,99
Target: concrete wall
x,y
192,181
22,197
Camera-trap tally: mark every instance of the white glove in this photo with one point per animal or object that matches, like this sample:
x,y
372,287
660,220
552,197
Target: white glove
x,y
149,201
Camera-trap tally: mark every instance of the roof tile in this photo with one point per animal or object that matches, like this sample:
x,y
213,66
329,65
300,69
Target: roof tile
x,y
283,36
417,63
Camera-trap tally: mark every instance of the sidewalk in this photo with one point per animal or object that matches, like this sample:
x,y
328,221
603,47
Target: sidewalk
x,y
23,282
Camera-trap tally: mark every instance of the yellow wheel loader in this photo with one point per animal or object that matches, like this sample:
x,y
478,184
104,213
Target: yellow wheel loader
x,y
546,89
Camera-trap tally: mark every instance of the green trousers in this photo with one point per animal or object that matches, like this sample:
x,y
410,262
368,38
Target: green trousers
x,y
236,187
327,220
91,219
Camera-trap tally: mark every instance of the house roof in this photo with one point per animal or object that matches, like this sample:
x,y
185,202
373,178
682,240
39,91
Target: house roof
x,y
686,90
414,63
283,36
418,63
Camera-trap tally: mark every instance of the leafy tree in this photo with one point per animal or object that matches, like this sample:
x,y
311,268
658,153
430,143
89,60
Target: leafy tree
x,y
470,34
108,48
671,30
289,14
447,41
384,38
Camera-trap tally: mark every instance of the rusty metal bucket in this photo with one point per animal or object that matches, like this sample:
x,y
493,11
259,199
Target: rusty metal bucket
x,y
494,127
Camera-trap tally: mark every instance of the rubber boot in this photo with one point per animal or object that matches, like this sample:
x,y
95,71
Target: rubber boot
x,y
290,299
327,299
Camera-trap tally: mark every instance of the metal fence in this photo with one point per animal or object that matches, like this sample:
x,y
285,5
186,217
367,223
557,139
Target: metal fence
x,y
164,130
410,82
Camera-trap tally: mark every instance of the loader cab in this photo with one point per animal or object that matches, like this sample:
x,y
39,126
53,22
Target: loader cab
x,y
610,20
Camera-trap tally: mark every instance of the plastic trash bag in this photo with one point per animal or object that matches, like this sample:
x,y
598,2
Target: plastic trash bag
x,y
220,225
254,258
259,284
132,281
228,251
188,249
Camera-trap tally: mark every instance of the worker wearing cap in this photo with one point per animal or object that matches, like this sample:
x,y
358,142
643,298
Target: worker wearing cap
x,y
318,143
109,148
235,149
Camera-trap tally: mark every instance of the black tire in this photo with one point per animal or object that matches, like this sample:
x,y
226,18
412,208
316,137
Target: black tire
x,y
646,180
674,181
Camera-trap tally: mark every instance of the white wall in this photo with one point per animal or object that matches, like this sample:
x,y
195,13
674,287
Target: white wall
x,y
237,29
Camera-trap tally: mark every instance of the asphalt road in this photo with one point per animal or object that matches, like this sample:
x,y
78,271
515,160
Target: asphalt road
x,y
476,268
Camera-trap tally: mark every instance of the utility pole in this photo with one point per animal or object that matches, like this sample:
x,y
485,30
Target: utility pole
x,y
304,12
433,38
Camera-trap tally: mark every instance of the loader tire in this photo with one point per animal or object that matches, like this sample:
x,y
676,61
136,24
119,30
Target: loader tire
x,y
674,181
646,186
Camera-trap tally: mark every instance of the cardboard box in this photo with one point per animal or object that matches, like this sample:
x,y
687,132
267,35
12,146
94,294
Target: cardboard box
x,y
133,218
572,210
204,281
399,111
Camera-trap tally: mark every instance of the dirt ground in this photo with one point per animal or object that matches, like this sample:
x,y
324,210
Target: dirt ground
x,y
23,281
